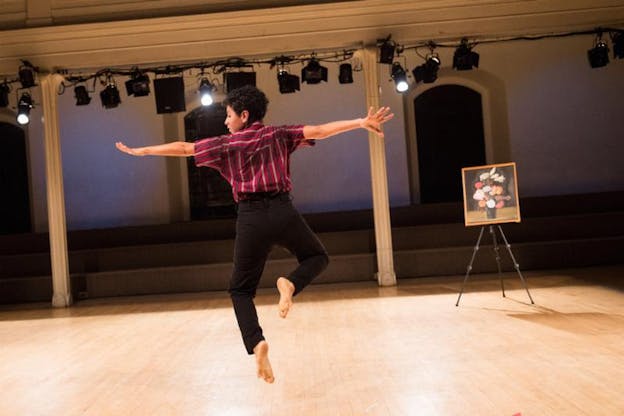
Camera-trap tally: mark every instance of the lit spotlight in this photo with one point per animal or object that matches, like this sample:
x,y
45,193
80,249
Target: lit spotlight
x,y
428,72
138,84
24,106
345,76
4,95
27,75
464,58
82,95
386,50
205,92
618,44
598,55
287,83
313,72
399,77
110,96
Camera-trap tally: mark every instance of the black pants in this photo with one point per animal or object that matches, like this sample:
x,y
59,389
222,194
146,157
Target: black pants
x,y
261,224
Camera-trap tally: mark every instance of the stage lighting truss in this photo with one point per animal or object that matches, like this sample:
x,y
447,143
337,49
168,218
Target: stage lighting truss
x,y
205,90
313,72
138,84
464,58
598,56
24,105
399,76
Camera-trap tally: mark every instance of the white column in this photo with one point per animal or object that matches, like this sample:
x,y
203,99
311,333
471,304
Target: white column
x,y
56,198
177,182
379,175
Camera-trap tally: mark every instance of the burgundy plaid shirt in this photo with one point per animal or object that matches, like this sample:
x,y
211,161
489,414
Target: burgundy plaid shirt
x,y
255,159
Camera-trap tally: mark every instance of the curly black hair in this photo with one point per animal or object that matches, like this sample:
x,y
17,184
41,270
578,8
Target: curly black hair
x,y
248,98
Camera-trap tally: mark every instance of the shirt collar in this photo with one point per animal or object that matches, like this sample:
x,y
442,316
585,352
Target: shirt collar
x,y
256,125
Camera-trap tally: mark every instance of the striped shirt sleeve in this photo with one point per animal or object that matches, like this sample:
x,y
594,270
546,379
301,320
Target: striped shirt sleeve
x,y
208,152
293,137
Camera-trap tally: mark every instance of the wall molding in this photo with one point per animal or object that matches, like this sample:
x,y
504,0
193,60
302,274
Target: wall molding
x,y
266,32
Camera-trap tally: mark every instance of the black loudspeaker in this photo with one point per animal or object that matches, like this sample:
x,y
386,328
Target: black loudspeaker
x,y
235,80
169,95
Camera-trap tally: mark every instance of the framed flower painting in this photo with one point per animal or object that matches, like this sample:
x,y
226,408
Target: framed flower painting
x,y
490,194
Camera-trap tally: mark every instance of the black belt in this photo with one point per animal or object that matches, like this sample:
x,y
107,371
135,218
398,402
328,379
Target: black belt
x,y
262,196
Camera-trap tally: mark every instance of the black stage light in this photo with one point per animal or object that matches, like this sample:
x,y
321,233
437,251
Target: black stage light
x,y
464,58
618,44
345,75
234,80
82,95
428,72
386,51
4,95
24,106
169,94
287,83
138,85
598,55
313,72
205,92
399,77
27,76
110,96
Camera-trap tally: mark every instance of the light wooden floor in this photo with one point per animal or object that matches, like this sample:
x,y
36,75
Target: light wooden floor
x,y
346,349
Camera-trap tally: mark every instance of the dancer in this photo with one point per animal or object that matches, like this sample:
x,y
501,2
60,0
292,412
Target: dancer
x,y
254,159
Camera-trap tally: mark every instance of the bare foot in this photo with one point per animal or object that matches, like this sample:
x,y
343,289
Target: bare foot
x,y
286,289
265,372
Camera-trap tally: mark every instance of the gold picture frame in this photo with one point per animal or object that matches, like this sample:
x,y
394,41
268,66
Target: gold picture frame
x,y
490,194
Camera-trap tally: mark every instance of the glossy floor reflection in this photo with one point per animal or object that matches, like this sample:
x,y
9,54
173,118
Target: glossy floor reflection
x,y
345,349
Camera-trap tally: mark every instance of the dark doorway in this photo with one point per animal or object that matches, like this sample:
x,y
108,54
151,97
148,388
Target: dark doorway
x,y
210,194
449,135
15,206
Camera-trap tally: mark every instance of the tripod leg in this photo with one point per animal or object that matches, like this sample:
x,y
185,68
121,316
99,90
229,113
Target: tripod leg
x,y
469,268
498,259
516,265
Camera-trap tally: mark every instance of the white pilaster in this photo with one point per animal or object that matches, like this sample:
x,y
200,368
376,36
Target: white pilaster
x,y
177,171
56,199
379,175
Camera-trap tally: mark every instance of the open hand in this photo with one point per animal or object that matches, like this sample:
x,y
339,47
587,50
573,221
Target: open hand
x,y
131,151
374,119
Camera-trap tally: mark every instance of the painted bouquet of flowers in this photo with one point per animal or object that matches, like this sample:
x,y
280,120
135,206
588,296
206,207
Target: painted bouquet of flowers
x,y
491,191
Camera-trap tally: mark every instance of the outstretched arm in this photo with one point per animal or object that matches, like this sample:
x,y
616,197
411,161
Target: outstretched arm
x,y
180,149
372,122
